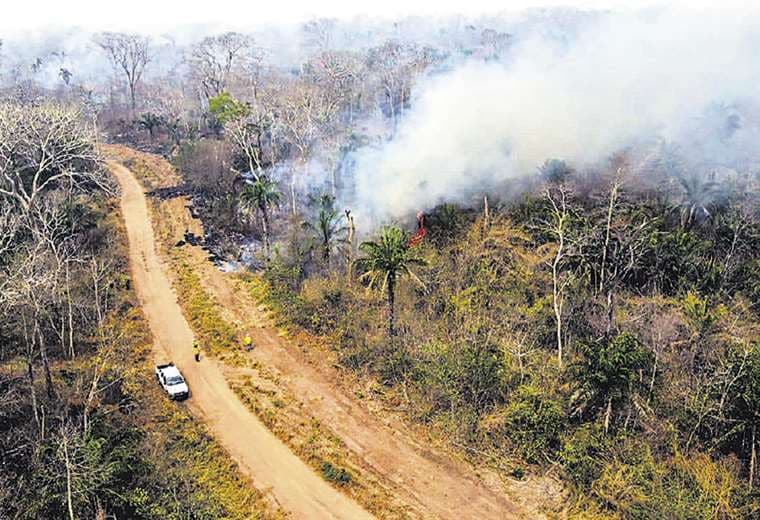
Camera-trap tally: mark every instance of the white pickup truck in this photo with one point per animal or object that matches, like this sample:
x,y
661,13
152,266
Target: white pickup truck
x,y
172,381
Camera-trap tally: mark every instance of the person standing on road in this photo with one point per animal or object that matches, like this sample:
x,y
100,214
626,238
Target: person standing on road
x,y
247,343
196,350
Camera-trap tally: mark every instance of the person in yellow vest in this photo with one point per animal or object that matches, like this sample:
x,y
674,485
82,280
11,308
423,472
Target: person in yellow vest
x,y
196,350
247,343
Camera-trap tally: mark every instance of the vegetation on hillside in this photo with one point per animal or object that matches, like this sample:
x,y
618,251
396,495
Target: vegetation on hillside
x,y
653,412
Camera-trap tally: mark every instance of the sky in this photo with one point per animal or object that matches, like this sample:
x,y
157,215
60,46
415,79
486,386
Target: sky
x,y
148,16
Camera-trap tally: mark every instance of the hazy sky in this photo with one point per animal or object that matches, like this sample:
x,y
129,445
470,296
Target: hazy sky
x,y
158,15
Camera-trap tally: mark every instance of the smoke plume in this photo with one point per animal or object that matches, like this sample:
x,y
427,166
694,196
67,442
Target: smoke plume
x,y
623,79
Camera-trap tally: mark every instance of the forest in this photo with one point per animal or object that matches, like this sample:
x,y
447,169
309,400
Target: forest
x,y
538,248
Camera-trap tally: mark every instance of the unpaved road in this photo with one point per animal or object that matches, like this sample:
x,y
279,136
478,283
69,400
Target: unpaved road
x,y
259,453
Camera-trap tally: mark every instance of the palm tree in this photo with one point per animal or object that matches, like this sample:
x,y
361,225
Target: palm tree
x,y
328,229
385,261
260,196
700,193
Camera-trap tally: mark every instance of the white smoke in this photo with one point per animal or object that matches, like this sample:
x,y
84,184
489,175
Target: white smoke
x,y
625,78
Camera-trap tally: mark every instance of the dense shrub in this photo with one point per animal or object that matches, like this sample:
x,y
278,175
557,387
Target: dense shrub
x,y
533,422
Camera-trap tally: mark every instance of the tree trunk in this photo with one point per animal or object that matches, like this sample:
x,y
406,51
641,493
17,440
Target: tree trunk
x,y
610,208
752,459
351,234
265,230
608,415
132,97
391,307
293,195
45,363
70,312
558,298
610,311
32,391
69,502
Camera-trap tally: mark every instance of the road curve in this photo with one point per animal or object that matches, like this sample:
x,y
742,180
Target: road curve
x,y
260,455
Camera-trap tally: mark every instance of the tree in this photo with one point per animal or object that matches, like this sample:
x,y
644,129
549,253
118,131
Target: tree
x,y
736,387
214,58
700,194
151,122
226,108
129,53
328,229
558,228
305,116
386,260
42,147
261,195
609,370
244,126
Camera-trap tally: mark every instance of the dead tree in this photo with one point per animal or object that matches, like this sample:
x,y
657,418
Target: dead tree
x,y
43,147
306,116
558,227
214,58
129,53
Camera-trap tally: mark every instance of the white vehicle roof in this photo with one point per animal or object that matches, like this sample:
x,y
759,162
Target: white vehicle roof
x,y
170,371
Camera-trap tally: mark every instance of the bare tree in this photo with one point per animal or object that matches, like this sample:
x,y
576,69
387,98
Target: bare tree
x,y
318,34
558,226
42,147
214,59
129,53
306,115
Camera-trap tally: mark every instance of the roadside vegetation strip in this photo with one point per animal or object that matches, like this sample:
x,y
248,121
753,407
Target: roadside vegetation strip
x,y
314,443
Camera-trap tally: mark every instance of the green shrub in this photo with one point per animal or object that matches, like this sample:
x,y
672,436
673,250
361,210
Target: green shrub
x,y
534,422
336,475
583,455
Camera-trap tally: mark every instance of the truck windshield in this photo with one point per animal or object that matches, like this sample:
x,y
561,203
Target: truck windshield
x,y
174,380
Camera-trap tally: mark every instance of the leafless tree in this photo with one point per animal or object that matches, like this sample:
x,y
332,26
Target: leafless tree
x,y
558,226
129,53
318,34
214,59
305,116
42,147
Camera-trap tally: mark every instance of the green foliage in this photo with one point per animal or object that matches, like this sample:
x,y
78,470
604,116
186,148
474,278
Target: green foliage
x,y
467,374
388,258
216,336
554,170
328,230
609,369
470,358
533,422
385,261
445,223
700,314
336,475
262,194
637,485
226,108
150,122
583,455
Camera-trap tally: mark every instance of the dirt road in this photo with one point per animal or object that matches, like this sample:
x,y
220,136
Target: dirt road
x,y
259,453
